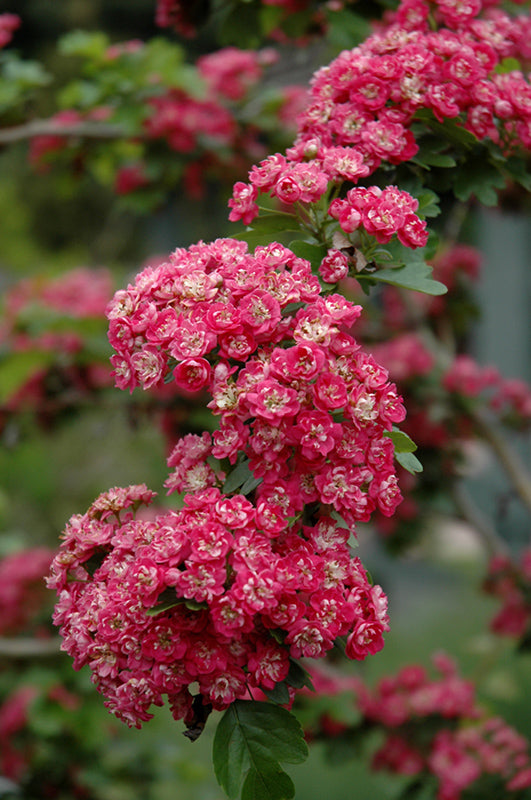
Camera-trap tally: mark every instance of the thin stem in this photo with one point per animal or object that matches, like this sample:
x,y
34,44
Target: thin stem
x,y
469,511
49,127
29,648
508,458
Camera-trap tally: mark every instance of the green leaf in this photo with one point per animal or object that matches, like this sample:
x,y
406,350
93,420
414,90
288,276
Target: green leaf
x,y
345,28
240,475
298,676
84,43
401,441
517,169
340,521
314,253
428,204
25,74
240,26
250,485
480,178
409,461
430,159
273,223
267,784
279,694
508,65
415,275
251,741
451,131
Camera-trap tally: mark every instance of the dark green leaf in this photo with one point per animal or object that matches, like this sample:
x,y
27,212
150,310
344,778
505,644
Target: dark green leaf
x,y
240,26
434,160
517,169
268,784
238,477
480,178
298,676
450,130
251,741
250,485
279,694
262,228
428,204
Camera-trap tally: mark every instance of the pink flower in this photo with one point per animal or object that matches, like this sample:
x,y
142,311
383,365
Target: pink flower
x,y
192,374
366,638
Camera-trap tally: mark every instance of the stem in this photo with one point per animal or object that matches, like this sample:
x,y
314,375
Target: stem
x,y
49,127
29,648
508,458
469,511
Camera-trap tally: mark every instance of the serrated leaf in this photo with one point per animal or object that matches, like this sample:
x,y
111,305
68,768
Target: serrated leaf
x,y
279,694
415,275
401,441
251,741
298,676
270,784
481,179
428,204
517,169
449,130
410,462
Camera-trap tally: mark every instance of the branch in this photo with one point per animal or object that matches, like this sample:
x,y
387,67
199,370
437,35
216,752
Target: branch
x,y
29,648
470,513
49,127
508,458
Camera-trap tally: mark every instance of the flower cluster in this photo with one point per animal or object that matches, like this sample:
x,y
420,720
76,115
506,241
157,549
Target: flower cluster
x,y
22,588
434,728
294,392
217,593
510,398
363,104
226,590
382,213
510,583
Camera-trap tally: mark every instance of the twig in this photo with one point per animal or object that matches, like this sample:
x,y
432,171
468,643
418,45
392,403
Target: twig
x,y
470,513
50,127
29,648
508,458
